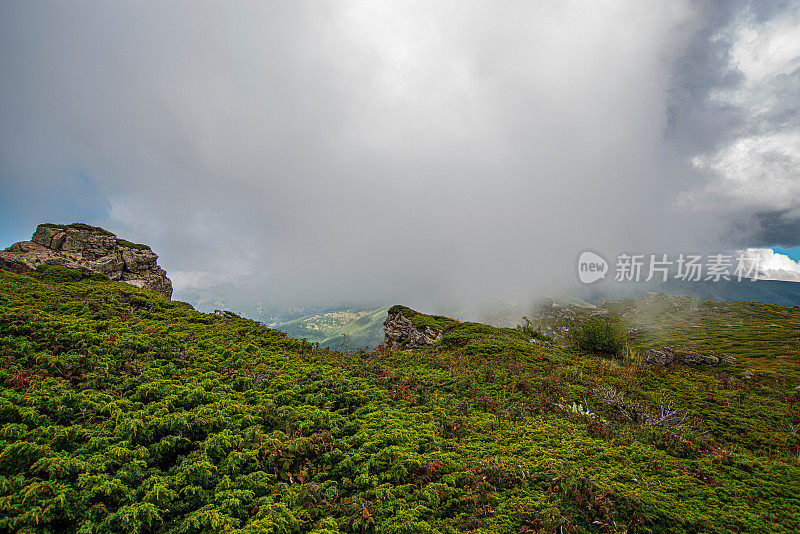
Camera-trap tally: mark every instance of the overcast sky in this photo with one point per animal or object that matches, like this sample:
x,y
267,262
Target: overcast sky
x,y
389,150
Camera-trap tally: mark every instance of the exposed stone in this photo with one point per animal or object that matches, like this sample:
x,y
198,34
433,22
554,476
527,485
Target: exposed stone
x,y
725,358
695,358
662,356
90,250
666,355
653,296
400,332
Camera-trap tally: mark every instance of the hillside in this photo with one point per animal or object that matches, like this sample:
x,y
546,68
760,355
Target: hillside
x,y
123,411
763,337
347,328
340,329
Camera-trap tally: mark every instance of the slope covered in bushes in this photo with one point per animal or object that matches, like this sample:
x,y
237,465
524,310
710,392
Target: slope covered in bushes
x,y
121,411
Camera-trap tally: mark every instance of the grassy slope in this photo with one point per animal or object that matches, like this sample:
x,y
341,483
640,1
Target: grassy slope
x,y
121,411
764,337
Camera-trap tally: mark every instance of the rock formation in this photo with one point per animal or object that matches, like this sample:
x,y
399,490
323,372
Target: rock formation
x,y
91,250
661,357
666,355
401,333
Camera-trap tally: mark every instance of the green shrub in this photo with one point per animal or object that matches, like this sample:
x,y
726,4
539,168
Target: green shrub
x,y
57,273
598,336
123,411
530,330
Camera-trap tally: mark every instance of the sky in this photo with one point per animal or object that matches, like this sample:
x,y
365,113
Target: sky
x,y
402,151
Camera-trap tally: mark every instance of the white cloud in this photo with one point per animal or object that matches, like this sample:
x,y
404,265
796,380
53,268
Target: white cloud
x,y
760,171
773,265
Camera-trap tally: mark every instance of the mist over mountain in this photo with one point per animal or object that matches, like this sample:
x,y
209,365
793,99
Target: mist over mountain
x,y
347,266
331,153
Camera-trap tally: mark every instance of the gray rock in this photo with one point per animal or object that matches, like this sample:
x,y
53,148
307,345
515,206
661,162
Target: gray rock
x,y
400,332
90,250
696,358
667,355
724,358
660,357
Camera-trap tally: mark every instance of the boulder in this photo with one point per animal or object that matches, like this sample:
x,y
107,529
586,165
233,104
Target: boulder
x,y
90,250
726,359
696,358
666,355
660,357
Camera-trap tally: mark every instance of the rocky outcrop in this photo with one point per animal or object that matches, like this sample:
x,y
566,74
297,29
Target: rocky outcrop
x,y
660,357
667,355
696,358
401,333
91,250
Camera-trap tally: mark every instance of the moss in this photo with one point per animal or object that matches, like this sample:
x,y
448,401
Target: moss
x,y
128,244
421,320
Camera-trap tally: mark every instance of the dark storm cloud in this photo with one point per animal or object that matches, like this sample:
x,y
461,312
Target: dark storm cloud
x,y
352,150
736,115
694,122
777,229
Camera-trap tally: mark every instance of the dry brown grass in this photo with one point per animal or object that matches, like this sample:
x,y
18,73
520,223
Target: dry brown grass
x,y
632,363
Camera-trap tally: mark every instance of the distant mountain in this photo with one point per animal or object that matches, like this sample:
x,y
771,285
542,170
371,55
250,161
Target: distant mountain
x,y
341,329
778,292
352,326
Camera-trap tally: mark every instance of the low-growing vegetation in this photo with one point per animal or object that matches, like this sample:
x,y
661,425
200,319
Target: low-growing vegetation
x,y
421,320
598,336
532,331
122,411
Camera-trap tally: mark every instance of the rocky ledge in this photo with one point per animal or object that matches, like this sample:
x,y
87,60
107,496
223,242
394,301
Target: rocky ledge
x,y
88,249
401,332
